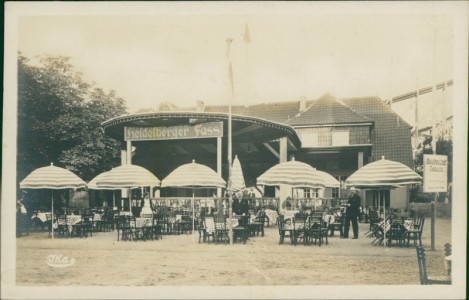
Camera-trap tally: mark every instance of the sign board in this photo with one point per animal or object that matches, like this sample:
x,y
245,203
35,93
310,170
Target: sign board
x,y
435,173
203,130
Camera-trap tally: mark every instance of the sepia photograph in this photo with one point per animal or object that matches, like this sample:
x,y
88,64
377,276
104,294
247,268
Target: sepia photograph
x,y
234,150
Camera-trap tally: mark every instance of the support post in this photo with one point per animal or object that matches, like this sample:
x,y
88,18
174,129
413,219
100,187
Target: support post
x,y
433,207
360,159
283,149
219,163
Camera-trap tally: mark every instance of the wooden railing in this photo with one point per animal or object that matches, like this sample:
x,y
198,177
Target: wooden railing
x,y
209,202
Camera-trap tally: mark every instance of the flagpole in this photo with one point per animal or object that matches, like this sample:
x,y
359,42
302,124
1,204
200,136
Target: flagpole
x,y
230,99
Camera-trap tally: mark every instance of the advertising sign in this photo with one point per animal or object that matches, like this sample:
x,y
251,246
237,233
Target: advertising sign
x,y
435,173
203,130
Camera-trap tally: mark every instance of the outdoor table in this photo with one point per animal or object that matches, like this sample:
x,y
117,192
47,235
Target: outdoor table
x,y
42,216
272,215
143,222
71,220
125,213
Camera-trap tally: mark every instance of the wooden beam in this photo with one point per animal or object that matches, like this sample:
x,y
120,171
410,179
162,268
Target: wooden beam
x,y
268,146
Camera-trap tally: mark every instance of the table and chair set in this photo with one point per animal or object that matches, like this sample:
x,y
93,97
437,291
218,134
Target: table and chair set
x,y
313,228
400,231
216,228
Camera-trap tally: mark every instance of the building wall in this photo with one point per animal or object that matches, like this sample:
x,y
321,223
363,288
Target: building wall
x,y
357,134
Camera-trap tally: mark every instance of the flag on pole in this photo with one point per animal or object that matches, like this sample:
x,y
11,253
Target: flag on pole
x,y
247,35
230,76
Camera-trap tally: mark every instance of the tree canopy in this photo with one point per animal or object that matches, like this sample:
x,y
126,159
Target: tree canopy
x,y
59,119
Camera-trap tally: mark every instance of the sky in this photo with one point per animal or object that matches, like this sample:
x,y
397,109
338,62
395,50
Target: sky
x,y
182,57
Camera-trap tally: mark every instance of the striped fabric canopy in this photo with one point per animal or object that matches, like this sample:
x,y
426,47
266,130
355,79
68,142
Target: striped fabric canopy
x,y
127,176
237,177
383,173
193,175
52,177
294,173
93,182
329,180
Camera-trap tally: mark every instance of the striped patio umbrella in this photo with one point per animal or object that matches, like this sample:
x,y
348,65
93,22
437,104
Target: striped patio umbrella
x,y
127,176
383,174
92,185
294,173
193,175
237,177
52,177
329,180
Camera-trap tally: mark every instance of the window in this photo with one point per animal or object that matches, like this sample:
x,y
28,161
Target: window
x,y
310,193
309,139
340,138
335,192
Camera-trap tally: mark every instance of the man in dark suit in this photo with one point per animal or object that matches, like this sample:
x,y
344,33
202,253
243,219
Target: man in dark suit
x,y
352,212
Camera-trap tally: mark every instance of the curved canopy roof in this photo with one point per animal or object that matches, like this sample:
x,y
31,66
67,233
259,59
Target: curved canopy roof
x,y
244,128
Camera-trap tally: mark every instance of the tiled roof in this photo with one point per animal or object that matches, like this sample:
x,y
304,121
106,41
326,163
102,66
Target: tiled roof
x,y
391,135
327,110
279,112
235,109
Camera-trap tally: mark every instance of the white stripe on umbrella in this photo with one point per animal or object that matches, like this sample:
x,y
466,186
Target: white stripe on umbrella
x,y
329,180
383,173
52,177
127,176
294,173
193,175
237,178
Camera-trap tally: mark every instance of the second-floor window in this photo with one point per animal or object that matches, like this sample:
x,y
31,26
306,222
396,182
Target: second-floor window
x,y
309,139
340,138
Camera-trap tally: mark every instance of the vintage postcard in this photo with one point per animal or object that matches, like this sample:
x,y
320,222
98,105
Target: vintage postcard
x,y
234,150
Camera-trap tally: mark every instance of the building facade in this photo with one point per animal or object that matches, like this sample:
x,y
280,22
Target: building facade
x,y
337,136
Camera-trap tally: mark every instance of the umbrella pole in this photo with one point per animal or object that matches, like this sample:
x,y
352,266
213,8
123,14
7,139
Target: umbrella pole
x,y
193,214
113,199
385,222
52,219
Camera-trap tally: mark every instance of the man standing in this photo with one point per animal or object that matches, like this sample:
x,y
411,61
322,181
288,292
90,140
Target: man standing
x,y
352,212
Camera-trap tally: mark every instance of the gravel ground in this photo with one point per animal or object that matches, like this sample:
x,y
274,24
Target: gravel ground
x,y
180,260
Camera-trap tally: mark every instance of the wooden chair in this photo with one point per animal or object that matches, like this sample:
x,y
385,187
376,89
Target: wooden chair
x,y
86,225
448,252
243,229
396,233
284,230
207,229
338,224
317,231
300,229
221,230
63,226
425,279
257,226
415,234
119,224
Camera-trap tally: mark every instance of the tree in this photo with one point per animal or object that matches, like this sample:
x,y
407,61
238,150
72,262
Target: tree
x,y
59,119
